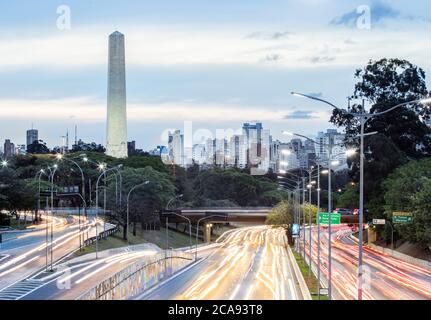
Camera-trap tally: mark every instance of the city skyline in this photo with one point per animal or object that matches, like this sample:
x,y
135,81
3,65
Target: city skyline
x,y
177,74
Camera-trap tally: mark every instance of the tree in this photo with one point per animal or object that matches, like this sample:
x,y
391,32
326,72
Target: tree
x,y
408,189
38,147
403,133
282,214
349,198
144,201
237,187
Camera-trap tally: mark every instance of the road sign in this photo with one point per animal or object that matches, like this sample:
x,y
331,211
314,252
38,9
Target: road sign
x,y
295,230
324,291
402,217
324,218
379,221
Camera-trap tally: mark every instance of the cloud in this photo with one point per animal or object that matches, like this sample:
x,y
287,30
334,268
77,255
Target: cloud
x,y
320,59
268,35
90,109
274,57
379,11
301,115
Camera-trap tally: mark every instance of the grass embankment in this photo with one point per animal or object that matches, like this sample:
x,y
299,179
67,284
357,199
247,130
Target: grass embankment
x,y
158,237
310,279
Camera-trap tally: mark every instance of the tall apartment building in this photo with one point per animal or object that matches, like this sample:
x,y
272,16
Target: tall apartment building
x,y
8,149
32,136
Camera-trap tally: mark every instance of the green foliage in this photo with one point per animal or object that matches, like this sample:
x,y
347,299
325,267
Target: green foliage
x,y
237,187
282,214
144,201
349,198
408,189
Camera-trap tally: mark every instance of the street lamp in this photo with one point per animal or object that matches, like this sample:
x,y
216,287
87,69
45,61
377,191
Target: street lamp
x,y
127,215
363,118
4,163
331,164
167,218
97,201
61,157
197,230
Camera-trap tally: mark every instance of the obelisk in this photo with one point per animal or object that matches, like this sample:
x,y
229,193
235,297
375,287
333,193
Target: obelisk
x,y
116,133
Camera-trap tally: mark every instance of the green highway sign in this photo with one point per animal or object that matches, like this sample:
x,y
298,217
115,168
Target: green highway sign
x,y
324,218
402,217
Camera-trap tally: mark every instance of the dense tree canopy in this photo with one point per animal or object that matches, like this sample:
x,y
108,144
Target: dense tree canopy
x,y
409,189
402,134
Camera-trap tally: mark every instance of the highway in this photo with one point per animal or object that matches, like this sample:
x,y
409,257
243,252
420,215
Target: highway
x,y
81,274
248,264
385,277
21,257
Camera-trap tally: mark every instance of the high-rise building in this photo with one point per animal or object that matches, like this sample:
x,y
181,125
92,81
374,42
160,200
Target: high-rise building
x,y
8,148
32,136
199,154
257,144
176,147
331,136
116,140
131,148
21,149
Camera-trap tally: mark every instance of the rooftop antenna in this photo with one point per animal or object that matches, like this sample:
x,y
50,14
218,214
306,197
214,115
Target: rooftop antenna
x,y
76,135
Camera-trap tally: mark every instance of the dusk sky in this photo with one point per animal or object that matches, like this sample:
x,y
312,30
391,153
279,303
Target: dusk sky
x,y
215,63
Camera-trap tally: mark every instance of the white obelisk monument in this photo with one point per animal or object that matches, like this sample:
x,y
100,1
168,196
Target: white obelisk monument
x,y
116,133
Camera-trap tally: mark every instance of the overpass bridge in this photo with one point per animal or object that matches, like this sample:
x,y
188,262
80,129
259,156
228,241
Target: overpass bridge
x,y
214,215
208,216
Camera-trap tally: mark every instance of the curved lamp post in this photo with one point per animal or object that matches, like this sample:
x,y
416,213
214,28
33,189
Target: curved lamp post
x,y
105,171
127,214
363,118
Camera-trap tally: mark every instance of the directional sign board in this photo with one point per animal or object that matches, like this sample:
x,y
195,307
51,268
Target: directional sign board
x,y
379,222
402,217
324,291
324,218
295,230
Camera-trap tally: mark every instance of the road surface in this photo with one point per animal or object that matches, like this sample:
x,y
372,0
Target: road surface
x,y
386,278
82,274
249,264
21,257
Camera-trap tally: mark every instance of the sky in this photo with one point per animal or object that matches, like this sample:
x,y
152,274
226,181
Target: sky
x,y
214,64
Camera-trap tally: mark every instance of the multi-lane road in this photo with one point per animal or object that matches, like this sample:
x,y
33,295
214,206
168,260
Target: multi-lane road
x,y
247,264
385,277
29,252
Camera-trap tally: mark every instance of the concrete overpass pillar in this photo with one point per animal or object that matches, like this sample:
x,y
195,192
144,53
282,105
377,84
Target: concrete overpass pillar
x,y
207,233
372,235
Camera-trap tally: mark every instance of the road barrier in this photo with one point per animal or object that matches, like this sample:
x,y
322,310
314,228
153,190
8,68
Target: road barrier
x,y
139,276
101,235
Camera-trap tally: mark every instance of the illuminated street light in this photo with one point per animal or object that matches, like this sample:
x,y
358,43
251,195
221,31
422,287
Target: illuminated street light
x,y
287,133
283,171
363,117
335,163
284,163
350,152
325,171
59,156
4,163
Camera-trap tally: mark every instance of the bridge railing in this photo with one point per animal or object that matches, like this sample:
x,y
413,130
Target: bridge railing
x,y
139,276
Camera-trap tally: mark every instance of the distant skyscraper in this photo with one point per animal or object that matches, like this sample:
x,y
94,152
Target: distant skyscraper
x,y
116,140
32,136
176,147
9,149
